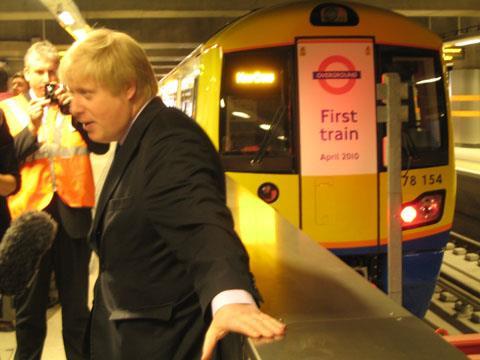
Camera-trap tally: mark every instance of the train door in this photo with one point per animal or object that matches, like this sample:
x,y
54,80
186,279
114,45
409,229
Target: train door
x,y
257,136
338,152
427,172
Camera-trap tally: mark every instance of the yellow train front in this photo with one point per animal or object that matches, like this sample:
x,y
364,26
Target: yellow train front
x,y
288,95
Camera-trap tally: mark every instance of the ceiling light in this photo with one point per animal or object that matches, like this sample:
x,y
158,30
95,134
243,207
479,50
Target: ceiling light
x,y
241,114
66,18
80,34
468,41
426,81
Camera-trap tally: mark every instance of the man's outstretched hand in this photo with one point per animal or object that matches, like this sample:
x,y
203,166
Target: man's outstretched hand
x,y
245,319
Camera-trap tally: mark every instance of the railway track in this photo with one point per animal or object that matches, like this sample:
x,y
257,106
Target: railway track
x,y
456,302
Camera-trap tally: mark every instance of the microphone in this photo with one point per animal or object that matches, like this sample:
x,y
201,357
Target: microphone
x,y
22,248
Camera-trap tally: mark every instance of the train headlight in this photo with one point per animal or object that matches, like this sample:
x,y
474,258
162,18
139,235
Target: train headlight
x,y
424,210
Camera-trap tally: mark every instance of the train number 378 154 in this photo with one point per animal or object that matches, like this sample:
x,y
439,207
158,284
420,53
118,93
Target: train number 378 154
x,y
429,179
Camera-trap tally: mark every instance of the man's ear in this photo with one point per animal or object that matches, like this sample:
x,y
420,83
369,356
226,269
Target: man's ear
x,y
26,74
131,91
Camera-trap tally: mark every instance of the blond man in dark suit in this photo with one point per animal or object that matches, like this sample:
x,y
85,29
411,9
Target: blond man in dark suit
x,y
174,277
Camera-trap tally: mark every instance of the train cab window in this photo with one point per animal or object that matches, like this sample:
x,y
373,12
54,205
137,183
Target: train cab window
x,y
189,87
168,92
424,134
255,111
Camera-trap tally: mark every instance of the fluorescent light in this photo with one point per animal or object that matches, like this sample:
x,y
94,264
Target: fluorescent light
x,y
241,114
265,127
66,18
79,34
468,41
427,81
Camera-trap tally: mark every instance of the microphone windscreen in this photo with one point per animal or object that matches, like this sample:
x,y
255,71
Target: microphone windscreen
x,y
23,245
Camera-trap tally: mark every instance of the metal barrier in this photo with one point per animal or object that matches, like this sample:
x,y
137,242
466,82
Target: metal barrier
x,y
331,312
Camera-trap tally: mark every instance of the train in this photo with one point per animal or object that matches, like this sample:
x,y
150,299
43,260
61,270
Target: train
x,y
288,94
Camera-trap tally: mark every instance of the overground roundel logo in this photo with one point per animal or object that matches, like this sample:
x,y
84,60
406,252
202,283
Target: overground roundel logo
x,y
323,75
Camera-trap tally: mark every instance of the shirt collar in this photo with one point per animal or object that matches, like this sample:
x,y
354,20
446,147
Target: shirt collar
x,y
122,140
32,95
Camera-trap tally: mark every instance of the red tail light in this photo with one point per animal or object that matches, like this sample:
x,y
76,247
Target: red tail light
x,y
425,210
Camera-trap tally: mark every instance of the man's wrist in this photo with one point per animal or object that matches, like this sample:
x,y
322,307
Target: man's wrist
x,y
33,129
234,296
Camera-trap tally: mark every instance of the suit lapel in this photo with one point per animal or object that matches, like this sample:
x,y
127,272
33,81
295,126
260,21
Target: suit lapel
x,y
122,158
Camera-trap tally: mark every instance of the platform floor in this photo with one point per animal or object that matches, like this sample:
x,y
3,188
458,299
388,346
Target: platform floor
x,y
53,348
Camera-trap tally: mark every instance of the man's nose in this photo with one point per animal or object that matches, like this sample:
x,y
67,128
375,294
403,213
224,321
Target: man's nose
x,y
45,78
75,107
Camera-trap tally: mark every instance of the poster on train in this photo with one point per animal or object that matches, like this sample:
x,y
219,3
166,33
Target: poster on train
x,y
337,106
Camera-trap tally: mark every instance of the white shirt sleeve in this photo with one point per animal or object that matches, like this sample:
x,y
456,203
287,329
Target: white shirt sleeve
x,y
227,297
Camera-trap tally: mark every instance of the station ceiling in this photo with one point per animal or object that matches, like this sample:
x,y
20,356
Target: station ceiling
x,y
171,29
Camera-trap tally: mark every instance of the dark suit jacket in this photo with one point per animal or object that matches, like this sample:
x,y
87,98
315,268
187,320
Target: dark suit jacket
x,y
8,165
162,230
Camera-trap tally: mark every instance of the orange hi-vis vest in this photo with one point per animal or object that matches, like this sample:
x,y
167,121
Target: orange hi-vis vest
x,y
60,165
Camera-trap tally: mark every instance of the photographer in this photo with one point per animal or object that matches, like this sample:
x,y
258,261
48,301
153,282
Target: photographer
x,y
57,177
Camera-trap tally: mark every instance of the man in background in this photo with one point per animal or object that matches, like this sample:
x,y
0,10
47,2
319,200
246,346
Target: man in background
x,y
18,84
56,177
4,93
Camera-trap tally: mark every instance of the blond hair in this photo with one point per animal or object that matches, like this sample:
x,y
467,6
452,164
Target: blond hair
x,y
44,50
112,60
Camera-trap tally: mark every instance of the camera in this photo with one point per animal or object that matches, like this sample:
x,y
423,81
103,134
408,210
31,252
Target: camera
x,y
50,92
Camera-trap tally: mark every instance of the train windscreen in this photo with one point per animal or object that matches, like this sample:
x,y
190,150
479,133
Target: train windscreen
x,y
255,111
425,131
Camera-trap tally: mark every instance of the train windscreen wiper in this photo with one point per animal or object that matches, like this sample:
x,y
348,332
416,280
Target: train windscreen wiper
x,y
409,147
269,135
